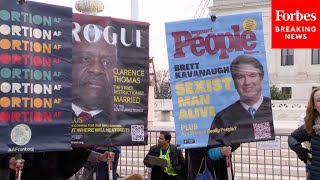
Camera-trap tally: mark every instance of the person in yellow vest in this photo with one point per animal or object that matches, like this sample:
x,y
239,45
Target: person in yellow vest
x,y
175,169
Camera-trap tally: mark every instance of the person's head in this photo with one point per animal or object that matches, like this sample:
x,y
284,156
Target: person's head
x,y
313,109
164,139
247,74
92,69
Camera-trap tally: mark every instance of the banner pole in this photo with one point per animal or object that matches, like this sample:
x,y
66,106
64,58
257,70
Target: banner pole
x,y
229,168
18,169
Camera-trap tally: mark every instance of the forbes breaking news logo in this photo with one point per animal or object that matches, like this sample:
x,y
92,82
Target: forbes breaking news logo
x,y
295,25
295,32
281,15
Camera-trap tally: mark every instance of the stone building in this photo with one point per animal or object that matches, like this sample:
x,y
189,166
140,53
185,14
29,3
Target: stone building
x,y
294,71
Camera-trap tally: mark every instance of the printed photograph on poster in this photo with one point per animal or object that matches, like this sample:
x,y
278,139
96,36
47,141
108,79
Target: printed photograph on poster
x,y
219,80
109,81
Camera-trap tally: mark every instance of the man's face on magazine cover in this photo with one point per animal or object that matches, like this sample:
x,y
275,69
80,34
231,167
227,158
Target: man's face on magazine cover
x,y
92,66
248,82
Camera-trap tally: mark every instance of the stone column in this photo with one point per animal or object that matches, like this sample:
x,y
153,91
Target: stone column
x,y
91,7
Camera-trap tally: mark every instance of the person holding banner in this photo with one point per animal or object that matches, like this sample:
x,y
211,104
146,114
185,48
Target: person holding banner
x,y
216,161
7,161
249,118
56,165
102,172
164,149
310,131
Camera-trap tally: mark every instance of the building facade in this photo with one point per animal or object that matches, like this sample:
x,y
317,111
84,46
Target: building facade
x,y
294,71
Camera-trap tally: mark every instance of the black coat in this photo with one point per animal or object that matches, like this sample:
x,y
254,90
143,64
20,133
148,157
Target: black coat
x,y
217,168
4,166
237,116
4,160
176,157
53,165
300,135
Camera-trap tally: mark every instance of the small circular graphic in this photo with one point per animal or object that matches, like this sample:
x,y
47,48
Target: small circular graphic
x,y
249,24
21,134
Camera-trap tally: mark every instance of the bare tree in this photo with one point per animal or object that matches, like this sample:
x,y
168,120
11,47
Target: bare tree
x,y
162,85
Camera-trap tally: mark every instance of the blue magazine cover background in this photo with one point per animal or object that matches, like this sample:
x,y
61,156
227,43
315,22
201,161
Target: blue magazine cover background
x,y
198,98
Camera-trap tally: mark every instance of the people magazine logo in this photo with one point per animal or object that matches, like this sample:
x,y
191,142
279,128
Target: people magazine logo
x,y
213,43
295,24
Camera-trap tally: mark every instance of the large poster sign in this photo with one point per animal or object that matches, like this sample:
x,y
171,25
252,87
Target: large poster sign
x,y
110,73
219,81
35,71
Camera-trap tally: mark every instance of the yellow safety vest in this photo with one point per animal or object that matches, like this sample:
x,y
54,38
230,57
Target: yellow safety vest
x,y
169,170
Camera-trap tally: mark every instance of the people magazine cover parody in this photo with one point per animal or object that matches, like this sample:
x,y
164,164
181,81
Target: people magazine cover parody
x,y
219,80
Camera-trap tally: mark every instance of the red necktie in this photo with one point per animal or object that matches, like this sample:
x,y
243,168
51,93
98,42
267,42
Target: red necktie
x,y
85,116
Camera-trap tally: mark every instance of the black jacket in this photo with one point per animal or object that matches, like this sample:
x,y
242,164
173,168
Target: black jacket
x,y
300,135
176,157
52,165
4,166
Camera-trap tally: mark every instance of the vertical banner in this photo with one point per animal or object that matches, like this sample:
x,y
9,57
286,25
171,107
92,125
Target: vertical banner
x,y
110,74
219,81
35,83
295,24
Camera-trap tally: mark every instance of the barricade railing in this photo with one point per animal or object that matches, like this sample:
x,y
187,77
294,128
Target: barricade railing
x,y
249,162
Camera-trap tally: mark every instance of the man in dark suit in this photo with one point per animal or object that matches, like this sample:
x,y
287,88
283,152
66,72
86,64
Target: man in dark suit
x,y
249,118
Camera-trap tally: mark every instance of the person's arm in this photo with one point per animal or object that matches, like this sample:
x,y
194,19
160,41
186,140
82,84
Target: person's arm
x,y
95,157
220,152
215,153
72,161
13,163
146,160
295,139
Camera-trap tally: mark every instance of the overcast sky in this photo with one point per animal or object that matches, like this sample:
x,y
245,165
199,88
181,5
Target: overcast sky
x,y
155,12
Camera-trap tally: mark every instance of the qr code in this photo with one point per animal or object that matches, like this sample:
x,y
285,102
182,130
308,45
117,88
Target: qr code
x,y
262,130
137,132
